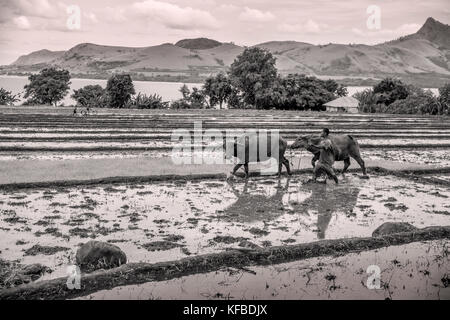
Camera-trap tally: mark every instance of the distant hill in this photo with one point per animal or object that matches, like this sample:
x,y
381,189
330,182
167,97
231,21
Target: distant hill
x,y
198,44
426,52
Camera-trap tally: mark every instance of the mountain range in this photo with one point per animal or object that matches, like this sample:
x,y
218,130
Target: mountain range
x,y
426,52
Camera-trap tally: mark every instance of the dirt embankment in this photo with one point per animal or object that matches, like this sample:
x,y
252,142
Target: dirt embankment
x,y
135,273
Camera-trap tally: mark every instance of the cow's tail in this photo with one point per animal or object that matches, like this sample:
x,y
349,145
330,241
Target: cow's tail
x,y
355,142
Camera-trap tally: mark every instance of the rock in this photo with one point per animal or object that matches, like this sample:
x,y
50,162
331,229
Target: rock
x,y
95,255
14,274
35,269
393,227
249,245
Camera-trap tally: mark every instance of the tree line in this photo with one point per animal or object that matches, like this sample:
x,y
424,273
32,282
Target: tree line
x,y
393,96
252,81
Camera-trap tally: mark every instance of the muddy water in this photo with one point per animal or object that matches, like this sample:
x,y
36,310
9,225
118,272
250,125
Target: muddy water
x,y
420,156
406,273
412,155
167,221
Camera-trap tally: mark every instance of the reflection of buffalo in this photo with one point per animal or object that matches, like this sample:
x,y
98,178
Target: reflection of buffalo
x,y
256,207
326,202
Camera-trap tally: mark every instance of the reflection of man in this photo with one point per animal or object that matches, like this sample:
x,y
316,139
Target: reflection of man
x,y
326,202
326,159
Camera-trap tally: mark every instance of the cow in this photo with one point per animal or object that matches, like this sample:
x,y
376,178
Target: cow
x,y
257,147
346,145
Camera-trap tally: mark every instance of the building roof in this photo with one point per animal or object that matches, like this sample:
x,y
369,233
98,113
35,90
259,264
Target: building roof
x,y
344,102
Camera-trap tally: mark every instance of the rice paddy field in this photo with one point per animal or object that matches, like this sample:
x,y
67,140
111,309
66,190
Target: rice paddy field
x,y
174,217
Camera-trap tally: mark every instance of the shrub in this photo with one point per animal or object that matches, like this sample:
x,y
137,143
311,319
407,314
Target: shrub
x,y
7,98
91,96
367,101
422,102
418,101
143,101
180,104
48,86
194,99
119,89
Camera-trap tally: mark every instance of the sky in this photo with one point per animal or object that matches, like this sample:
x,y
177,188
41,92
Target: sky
x,y
30,25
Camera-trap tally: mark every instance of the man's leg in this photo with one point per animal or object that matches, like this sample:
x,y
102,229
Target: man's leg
x,y
330,172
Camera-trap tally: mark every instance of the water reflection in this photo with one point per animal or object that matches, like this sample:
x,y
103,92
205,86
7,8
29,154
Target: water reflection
x,y
266,201
255,203
325,200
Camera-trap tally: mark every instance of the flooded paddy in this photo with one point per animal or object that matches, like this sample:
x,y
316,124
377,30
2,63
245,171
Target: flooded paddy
x,y
430,156
171,220
406,274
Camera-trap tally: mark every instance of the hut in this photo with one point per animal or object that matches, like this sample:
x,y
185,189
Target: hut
x,y
343,104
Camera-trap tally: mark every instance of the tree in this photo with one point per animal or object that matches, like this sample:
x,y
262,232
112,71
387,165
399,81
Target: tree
x,y
389,90
218,89
185,92
119,89
444,99
48,86
253,72
7,98
92,96
302,92
335,88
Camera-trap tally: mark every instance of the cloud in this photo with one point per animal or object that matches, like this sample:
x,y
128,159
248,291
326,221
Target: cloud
x,y
404,29
255,15
309,27
36,8
173,16
22,22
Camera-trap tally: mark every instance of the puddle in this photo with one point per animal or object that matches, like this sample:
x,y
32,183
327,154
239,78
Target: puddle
x,y
171,220
406,273
420,156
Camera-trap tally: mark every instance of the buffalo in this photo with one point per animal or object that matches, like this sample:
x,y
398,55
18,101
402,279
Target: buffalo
x,y
346,147
257,147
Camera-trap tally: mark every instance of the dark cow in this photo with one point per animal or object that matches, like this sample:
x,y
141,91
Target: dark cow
x,y
347,147
257,147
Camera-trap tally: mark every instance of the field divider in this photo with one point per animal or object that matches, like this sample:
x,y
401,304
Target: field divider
x,y
377,170
137,273
144,148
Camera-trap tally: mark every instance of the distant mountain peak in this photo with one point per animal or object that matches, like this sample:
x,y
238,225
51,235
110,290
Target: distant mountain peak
x,y
198,44
436,32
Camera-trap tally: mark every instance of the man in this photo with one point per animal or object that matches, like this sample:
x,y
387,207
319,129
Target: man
x,y
327,156
325,133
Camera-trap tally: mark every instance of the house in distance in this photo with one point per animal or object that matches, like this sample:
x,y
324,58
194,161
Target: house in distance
x,y
343,104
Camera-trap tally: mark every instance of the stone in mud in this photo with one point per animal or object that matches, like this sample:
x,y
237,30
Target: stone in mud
x,y
249,245
14,274
95,255
34,271
393,227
